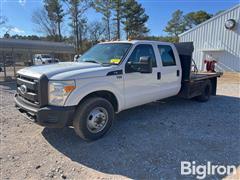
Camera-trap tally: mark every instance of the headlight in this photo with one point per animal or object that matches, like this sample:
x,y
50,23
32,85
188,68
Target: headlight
x,y
58,91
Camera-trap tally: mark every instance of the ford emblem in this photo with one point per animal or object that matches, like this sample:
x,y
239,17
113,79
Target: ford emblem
x,y
23,89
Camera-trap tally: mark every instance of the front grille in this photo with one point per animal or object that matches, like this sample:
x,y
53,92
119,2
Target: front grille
x,y
28,89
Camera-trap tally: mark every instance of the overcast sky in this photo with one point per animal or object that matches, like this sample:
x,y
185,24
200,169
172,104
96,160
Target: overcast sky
x,y
19,13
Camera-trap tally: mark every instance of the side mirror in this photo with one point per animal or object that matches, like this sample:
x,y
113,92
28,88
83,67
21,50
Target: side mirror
x,y
145,64
76,57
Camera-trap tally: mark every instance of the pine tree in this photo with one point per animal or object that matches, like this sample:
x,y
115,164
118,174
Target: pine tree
x,y
177,24
55,13
105,7
118,8
194,18
135,19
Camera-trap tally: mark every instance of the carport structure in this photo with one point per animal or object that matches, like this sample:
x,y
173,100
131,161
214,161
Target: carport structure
x,y
9,48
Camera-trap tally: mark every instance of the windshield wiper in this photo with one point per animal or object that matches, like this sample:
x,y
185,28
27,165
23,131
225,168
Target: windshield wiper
x,y
92,61
97,62
108,64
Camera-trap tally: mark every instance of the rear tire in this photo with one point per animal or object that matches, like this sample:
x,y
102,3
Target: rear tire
x,y
93,118
206,92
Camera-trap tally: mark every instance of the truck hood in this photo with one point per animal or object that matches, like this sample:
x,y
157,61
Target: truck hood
x,y
63,70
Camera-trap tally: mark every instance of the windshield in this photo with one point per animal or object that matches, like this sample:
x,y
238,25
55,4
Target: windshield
x,y
109,53
46,56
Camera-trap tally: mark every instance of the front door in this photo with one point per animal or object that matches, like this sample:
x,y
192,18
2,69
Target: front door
x,y
141,88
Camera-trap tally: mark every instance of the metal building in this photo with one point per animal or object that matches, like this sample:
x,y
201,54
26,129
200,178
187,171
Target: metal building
x,y
217,39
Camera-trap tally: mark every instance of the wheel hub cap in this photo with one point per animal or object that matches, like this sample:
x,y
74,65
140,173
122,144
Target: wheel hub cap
x,y
97,119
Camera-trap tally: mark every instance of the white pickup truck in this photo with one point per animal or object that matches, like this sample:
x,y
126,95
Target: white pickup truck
x,y
39,59
109,78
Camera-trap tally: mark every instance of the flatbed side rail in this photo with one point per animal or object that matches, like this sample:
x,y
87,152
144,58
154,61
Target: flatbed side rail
x,y
195,86
205,75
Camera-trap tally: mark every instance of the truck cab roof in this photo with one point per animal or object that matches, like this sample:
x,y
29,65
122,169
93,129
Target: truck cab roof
x,y
137,42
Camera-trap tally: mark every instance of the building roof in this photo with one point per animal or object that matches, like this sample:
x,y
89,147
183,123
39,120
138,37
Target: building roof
x,y
211,19
19,45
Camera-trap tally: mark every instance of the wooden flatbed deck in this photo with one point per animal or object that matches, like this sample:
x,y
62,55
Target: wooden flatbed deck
x,y
205,75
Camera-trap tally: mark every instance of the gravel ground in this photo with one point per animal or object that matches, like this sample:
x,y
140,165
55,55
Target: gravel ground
x,y
147,142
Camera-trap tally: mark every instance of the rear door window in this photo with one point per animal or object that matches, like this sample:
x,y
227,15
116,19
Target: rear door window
x,y
167,55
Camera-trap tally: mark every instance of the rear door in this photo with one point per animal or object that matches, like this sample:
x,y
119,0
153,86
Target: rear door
x,y
170,69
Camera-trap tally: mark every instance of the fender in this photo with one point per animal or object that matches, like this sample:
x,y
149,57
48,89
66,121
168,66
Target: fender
x,y
82,90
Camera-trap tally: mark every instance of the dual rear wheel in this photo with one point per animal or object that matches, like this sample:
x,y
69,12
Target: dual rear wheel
x,y
206,92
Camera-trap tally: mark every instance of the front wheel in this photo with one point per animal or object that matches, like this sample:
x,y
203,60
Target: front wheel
x,y
93,118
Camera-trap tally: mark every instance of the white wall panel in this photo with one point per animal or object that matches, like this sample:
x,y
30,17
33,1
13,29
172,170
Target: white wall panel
x,y
213,35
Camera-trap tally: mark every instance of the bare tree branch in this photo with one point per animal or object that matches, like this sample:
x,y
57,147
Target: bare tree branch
x,y
96,31
43,24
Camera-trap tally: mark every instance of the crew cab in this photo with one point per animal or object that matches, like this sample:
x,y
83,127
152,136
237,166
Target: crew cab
x,y
107,79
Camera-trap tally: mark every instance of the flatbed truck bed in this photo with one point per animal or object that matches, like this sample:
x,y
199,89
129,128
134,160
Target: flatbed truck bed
x,y
194,83
205,75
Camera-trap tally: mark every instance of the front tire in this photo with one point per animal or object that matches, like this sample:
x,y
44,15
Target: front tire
x,y
93,118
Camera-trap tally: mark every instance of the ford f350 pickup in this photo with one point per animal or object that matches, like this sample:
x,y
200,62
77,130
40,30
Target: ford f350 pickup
x,y
107,79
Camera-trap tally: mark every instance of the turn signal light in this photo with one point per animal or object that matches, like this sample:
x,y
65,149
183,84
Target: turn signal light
x,y
69,89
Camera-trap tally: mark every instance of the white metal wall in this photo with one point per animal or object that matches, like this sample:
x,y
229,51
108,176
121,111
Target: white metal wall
x,y
213,35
